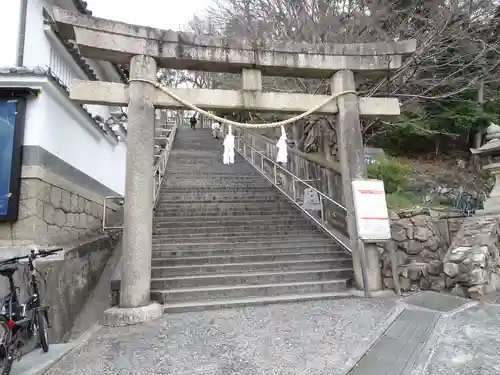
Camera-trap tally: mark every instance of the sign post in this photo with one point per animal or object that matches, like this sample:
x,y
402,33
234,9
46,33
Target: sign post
x,y
370,207
372,223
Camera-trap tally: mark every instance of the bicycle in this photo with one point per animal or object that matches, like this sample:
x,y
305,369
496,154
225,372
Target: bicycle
x,y
20,322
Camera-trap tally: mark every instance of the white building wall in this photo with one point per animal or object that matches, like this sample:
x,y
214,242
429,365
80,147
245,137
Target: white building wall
x,y
10,27
81,146
58,127
36,44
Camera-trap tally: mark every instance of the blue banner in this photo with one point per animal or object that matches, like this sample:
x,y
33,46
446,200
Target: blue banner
x,y
8,113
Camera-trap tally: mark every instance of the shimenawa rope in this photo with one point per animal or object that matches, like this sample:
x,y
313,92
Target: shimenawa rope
x,y
239,124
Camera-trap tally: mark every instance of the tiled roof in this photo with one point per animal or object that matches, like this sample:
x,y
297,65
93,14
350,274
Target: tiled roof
x,y
112,126
81,6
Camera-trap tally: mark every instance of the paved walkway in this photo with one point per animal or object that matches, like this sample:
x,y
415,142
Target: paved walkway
x,y
331,337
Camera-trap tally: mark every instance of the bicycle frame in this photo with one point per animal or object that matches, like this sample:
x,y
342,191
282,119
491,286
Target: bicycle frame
x,y
23,320
17,312
12,299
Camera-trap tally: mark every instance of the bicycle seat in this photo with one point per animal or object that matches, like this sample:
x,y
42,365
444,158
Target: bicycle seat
x,y
8,269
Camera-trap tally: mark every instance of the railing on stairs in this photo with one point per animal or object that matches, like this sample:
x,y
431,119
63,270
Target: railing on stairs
x,y
325,211
159,170
161,164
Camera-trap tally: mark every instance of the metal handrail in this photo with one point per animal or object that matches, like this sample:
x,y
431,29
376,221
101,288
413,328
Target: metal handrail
x,y
159,170
329,165
161,165
295,179
294,176
112,197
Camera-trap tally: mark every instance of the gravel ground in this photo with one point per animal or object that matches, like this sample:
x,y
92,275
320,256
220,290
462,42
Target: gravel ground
x,y
319,337
469,343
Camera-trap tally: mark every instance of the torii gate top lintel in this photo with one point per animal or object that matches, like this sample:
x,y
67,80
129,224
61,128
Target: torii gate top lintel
x,y
118,42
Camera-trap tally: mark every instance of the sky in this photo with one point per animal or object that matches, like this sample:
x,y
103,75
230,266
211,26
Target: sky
x,y
162,14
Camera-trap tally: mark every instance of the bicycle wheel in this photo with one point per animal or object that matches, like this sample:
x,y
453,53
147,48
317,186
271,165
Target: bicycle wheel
x,y
7,367
6,352
42,328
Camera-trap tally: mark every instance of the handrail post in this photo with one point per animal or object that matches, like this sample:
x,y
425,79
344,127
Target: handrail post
x,y
322,210
104,215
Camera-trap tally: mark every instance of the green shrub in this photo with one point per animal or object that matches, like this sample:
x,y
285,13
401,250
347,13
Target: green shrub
x,y
396,175
402,200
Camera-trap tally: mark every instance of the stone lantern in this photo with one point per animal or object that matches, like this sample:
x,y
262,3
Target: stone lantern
x,y
489,153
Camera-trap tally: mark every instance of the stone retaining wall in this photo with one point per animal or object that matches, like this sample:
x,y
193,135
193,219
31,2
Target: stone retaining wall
x,y
53,210
70,278
472,263
420,240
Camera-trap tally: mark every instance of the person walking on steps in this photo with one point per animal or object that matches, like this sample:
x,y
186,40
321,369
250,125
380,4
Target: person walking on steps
x,y
215,129
193,122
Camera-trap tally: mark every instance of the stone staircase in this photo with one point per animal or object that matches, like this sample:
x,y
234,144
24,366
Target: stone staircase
x,y
224,236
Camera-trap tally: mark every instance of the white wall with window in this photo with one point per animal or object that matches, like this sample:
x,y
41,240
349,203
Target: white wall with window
x,y
53,121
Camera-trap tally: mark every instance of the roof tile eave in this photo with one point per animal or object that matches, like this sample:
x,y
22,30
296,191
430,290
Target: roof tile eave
x,y
81,6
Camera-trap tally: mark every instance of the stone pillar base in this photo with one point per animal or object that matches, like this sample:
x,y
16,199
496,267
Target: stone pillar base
x,y
119,317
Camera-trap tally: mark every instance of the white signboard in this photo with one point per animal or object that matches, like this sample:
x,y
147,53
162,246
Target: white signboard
x,y
311,200
372,216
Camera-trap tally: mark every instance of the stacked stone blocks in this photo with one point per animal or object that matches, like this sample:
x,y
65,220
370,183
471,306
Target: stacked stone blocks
x,y
421,241
49,214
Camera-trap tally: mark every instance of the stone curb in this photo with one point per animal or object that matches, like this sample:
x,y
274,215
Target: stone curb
x,y
119,317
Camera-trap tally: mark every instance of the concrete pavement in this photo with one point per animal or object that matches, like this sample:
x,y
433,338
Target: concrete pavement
x,y
319,337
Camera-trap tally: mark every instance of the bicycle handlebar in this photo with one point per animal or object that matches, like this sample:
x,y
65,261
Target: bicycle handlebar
x,y
35,253
44,253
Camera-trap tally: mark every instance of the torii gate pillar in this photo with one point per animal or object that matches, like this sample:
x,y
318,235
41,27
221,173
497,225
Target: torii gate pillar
x,y
135,305
138,211
353,166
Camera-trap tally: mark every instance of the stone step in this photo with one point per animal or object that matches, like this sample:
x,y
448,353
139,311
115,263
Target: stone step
x,y
236,239
212,235
251,278
228,268
202,305
182,221
223,210
207,196
213,173
226,183
216,231
281,245
225,220
218,209
179,162
238,202
242,291
255,227
227,214
213,180
215,189
163,258
208,165
223,205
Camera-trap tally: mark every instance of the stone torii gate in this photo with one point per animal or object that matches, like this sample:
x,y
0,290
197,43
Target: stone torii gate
x,y
147,49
